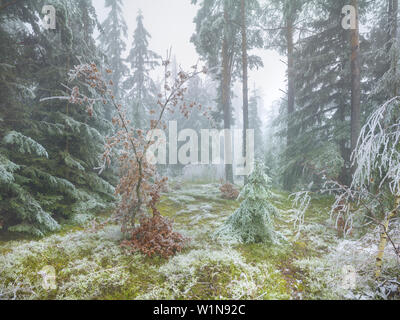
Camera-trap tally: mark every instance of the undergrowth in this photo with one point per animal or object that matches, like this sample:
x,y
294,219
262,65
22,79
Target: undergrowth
x,y
90,263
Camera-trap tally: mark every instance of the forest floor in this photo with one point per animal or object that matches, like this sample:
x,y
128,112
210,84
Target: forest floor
x,y
90,263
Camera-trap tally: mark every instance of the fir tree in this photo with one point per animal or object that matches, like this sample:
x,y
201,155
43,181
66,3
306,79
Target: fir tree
x,y
253,221
382,68
114,30
139,85
48,148
283,21
322,74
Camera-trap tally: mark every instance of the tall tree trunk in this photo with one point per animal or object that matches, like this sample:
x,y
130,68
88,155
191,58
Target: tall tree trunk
x,y
226,84
392,38
355,82
245,80
392,41
287,182
344,176
291,91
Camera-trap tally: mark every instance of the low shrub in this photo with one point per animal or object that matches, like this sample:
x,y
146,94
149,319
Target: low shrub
x,y
155,236
229,191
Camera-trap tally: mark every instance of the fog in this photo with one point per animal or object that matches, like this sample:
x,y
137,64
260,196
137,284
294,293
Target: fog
x,y
170,24
124,180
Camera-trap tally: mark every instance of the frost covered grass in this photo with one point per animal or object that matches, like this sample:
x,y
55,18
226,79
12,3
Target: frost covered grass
x,y
91,264
217,274
325,275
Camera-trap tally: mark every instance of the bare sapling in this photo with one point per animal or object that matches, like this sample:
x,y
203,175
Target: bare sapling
x,y
140,184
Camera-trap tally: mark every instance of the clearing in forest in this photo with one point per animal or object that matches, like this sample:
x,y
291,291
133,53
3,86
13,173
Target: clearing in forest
x,y
90,263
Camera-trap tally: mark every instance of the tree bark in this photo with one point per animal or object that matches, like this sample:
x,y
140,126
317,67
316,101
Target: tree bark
x,y
289,28
344,176
392,39
245,80
355,82
226,84
291,90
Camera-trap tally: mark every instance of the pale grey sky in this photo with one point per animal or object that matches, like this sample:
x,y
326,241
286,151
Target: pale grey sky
x,y
170,23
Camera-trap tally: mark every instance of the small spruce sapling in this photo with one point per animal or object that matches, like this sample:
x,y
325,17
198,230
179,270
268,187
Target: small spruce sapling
x,y
253,221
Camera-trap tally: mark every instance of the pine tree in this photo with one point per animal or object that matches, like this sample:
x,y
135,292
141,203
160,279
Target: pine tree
x,y
114,30
253,221
139,85
283,21
218,40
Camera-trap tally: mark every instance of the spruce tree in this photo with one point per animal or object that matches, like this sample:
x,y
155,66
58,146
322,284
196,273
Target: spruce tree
x,y
48,148
114,30
19,210
322,73
253,221
382,57
140,86
284,24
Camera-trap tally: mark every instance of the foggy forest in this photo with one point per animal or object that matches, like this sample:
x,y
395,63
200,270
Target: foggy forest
x,y
199,150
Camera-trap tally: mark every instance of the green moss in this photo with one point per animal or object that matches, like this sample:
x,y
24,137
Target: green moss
x,y
142,276
212,282
66,229
86,262
168,208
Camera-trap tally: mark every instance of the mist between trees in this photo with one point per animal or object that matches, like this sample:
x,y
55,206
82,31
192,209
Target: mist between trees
x,y
190,152
96,133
